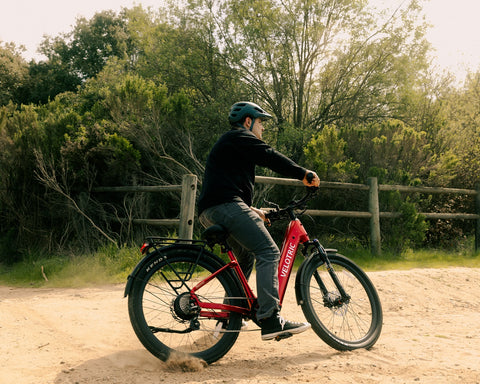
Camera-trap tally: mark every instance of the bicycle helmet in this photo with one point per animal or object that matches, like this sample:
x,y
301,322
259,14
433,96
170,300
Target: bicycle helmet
x,y
243,109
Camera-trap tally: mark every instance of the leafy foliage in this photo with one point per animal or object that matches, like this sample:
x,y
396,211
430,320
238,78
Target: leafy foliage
x,y
13,72
326,154
408,230
139,97
88,47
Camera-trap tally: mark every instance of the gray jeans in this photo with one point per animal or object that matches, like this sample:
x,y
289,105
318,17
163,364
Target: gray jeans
x,y
250,241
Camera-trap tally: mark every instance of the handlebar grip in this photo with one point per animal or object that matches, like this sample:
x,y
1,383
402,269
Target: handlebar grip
x,y
309,176
309,179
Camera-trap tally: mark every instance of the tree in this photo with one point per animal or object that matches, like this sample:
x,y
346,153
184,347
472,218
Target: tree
x,y
319,62
158,124
88,47
20,194
376,70
45,80
13,72
279,48
463,130
181,52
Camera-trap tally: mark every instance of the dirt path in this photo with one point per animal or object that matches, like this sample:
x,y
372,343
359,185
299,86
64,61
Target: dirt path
x,y
431,334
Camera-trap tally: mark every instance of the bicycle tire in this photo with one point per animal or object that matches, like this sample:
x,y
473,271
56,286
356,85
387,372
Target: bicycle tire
x,y
156,291
344,326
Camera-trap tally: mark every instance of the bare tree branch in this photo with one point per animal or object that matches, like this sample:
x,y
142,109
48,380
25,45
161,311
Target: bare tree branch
x,y
47,175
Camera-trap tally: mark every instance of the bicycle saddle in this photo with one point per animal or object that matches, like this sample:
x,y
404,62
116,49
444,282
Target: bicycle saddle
x,y
216,234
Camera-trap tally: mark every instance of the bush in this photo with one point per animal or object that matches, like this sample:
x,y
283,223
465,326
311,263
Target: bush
x,y
406,231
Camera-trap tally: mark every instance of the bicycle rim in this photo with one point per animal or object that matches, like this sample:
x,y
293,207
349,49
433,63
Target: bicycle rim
x,y
160,309
344,325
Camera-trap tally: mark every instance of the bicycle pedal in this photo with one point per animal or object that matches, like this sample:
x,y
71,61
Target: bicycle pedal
x,y
283,336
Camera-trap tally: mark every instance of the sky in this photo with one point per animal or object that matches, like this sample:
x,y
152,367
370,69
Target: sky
x,y
454,36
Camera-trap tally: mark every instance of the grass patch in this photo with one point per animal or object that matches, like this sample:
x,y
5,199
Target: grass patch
x,y
110,265
430,258
462,256
106,266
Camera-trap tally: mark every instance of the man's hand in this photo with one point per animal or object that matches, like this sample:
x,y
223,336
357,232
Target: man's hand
x,y
311,179
260,213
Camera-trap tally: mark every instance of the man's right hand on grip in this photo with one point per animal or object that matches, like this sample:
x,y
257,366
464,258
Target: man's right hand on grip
x,y
311,179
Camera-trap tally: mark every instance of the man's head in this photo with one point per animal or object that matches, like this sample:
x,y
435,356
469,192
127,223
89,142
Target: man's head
x,y
248,115
243,109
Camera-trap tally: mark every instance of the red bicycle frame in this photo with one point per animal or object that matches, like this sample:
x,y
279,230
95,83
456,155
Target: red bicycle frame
x,y
294,235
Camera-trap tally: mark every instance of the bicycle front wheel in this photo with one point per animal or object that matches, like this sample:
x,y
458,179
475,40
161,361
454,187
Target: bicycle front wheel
x,y
347,323
162,315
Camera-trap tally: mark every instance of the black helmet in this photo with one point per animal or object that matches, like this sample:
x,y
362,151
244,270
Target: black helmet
x,y
244,108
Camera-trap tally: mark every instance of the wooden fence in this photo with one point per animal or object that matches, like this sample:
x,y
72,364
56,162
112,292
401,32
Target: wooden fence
x,y
374,213
188,190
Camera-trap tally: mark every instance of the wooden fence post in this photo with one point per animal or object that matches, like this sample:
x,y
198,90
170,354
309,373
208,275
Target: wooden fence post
x,y
187,207
477,227
374,209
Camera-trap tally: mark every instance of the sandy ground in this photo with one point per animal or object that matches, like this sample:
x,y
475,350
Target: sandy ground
x,y
431,334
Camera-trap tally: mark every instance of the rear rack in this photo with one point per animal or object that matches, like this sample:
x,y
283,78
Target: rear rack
x,y
156,242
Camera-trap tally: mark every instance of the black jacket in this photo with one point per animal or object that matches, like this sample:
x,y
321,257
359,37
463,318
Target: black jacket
x,y
230,169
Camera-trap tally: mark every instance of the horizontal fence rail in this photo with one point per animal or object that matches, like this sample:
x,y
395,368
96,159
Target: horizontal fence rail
x,y
141,188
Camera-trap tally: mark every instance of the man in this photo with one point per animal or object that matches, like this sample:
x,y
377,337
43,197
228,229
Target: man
x,y
226,199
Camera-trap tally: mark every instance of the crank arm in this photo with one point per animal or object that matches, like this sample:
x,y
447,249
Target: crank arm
x,y
168,330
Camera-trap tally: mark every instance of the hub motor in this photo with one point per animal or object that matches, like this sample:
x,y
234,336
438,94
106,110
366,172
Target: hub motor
x,y
184,308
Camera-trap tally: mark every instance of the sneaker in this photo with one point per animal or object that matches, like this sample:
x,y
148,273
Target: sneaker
x,y
276,327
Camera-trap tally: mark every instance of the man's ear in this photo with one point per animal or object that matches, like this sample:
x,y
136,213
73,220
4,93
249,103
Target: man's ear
x,y
248,122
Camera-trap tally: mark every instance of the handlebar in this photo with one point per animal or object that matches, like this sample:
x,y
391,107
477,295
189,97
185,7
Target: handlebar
x,y
288,212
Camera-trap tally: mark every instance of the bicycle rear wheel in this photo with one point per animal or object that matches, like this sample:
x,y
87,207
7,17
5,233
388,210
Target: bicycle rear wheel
x,y
343,324
160,311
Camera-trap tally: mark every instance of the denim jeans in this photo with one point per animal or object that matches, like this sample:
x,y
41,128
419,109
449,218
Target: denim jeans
x,y
250,241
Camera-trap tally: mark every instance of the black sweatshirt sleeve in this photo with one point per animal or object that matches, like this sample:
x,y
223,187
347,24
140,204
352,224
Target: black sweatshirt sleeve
x,y
265,156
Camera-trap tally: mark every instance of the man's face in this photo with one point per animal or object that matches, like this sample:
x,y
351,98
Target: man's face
x,y
257,129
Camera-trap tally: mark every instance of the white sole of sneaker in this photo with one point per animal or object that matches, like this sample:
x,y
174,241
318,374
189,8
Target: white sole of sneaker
x,y
287,333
